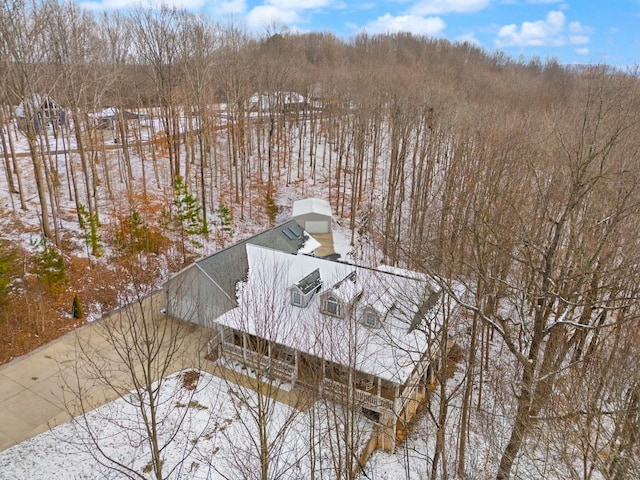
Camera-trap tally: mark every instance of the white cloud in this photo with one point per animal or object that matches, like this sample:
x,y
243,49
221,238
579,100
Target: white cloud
x,y
552,31
544,2
582,51
467,38
283,11
111,4
299,5
406,23
578,39
577,27
269,14
431,7
230,6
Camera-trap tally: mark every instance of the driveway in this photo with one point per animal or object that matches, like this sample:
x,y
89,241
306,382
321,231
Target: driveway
x,y
39,390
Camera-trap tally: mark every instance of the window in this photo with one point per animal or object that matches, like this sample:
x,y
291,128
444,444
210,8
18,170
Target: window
x,y
333,306
370,318
296,298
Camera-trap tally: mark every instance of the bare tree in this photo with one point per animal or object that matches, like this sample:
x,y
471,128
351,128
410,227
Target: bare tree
x,y
22,47
260,372
130,355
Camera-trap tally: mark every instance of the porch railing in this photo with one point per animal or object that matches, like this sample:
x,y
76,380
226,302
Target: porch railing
x,y
278,368
340,391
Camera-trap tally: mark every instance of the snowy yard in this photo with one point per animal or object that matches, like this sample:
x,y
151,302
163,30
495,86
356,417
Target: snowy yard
x,y
217,439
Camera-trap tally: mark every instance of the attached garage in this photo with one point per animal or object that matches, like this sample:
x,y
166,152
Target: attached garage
x,y
313,214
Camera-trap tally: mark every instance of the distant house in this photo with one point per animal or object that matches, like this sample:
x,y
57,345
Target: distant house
x,y
353,334
276,101
40,111
313,214
107,118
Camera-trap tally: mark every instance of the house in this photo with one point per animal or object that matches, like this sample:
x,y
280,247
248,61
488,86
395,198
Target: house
x,y
106,119
353,334
40,111
276,101
313,214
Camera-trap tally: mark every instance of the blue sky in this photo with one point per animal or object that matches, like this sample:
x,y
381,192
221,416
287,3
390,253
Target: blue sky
x,y
577,31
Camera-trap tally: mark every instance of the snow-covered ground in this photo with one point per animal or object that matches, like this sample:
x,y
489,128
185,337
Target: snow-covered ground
x,y
216,440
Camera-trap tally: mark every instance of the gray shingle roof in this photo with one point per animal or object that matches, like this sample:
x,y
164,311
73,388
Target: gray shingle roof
x,y
227,267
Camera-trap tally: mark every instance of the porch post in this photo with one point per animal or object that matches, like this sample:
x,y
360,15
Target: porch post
x,y
324,375
296,362
244,347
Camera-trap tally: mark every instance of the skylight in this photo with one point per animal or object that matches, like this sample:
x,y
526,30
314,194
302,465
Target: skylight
x,y
288,235
294,231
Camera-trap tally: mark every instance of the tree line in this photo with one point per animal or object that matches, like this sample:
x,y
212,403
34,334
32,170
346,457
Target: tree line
x,y
514,177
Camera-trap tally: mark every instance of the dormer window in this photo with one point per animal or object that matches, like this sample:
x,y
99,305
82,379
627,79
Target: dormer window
x,y
370,318
303,291
333,306
296,298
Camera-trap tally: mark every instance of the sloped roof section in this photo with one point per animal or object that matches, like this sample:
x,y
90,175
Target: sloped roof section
x,y
310,282
37,103
229,266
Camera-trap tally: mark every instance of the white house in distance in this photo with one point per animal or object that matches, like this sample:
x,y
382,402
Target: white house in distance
x,y
41,111
367,337
313,214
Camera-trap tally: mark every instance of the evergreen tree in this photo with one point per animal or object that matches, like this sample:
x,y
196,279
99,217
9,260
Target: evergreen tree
x,y
77,307
90,230
9,270
272,209
224,219
49,265
135,236
188,215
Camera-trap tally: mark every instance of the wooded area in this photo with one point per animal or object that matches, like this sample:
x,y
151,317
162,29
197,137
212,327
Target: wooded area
x,y
514,177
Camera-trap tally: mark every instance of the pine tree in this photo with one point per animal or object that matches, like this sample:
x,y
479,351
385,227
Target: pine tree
x,y
9,268
135,236
224,218
77,307
272,209
49,266
90,229
188,215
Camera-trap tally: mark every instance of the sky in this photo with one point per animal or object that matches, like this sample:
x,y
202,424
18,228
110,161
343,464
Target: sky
x,y
572,32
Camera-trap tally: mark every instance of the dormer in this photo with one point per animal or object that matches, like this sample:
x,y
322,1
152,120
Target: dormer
x,y
341,297
303,291
332,304
370,317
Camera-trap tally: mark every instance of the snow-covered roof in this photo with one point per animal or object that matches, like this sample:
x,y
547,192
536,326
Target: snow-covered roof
x,y
390,352
228,266
310,244
36,102
109,112
112,112
264,100
311,205
348,289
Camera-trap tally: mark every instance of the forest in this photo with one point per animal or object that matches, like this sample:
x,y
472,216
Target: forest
x,y
516,178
